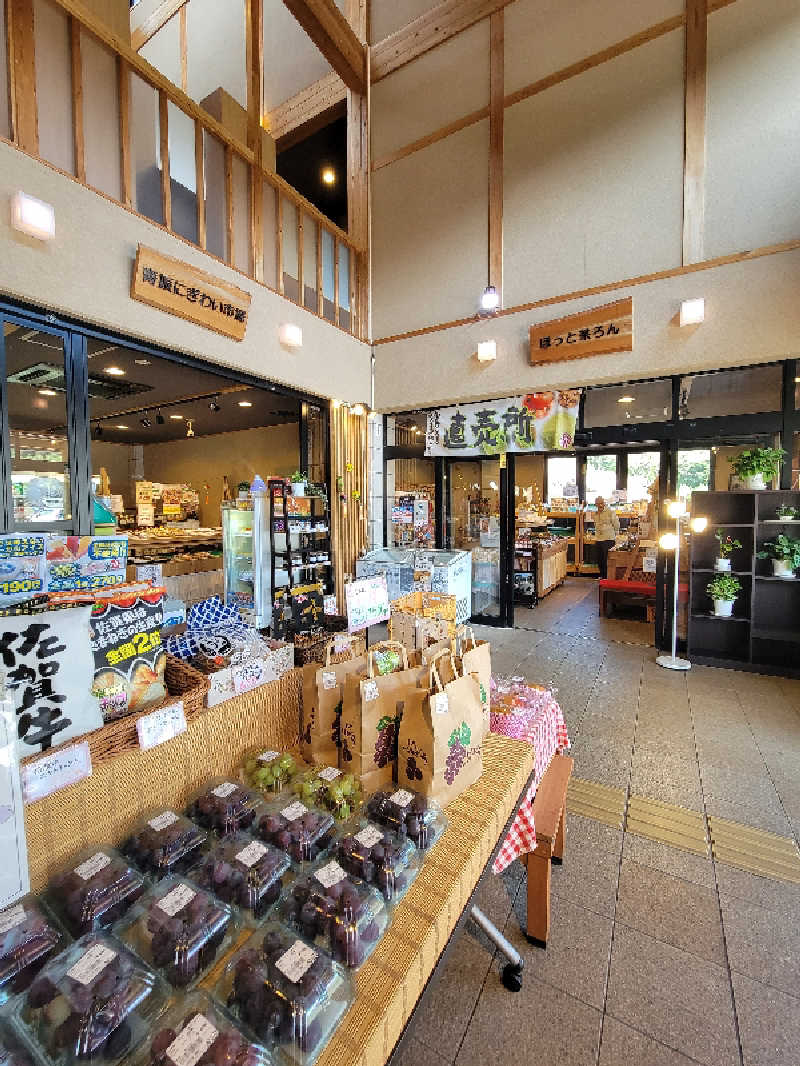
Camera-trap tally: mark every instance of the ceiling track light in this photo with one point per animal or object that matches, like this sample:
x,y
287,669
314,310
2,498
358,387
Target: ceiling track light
x,y
160,420
146,422
214,405
97,432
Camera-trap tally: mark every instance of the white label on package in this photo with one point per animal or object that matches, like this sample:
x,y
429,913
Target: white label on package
x,y
370,836
329,680
295,962
91,963
440,703
223,791
294,811
163,821
330,773
268,756
176,900
161,726
402,798
250,855
331,874
369,690
87,870
341,644
192,1042
11,918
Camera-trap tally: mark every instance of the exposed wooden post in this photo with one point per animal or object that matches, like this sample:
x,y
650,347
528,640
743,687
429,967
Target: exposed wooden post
x,y
229,202
76,70
331,33
336,247
184,47
22,71
496,120
200,182
125,179
320,297
694,159
255,92
279,239
166,190
301,285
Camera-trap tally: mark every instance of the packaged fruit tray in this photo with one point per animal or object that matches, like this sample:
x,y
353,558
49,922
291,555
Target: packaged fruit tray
x,y
94,891
302,833
288,992
29,936
378,856
336,911
12,1050
178,929
409,814
224,807
96,1000
329,789
164,843
244,872
269,771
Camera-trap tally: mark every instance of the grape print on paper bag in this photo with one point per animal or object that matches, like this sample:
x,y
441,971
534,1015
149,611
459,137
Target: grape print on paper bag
x,y
458,746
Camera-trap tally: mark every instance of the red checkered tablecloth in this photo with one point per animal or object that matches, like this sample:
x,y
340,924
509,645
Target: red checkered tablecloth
x,y
541,724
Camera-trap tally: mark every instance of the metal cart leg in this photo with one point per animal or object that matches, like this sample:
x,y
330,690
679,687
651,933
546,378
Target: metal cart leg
x,y
512,971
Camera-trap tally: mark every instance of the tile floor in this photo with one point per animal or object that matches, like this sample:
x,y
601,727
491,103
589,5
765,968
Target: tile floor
x,y
657,957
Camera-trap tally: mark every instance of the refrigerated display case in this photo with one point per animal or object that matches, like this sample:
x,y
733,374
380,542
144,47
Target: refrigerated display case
x,y
246,558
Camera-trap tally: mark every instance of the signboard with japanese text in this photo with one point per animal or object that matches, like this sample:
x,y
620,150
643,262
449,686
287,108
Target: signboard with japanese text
x,y
22,567
129,658
63,767
171,499
81,563
145,515
596,332
540,421
367,602
183,290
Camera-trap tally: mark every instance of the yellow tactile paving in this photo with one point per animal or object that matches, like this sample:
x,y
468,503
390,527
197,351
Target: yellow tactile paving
x,y
754,850
667,823
601,802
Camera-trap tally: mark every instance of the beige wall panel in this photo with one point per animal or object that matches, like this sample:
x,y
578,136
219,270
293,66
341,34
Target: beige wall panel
x,y
291,59
543,36
100,116
753,169
752,316
215,36
86,272
594,178
386,16
163,50
429,233
441,86
54,85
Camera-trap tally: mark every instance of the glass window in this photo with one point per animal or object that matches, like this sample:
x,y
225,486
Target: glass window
x,y
562,477
473,524
753,390
643,471
694,471
411,492
645,401
601,476
406,430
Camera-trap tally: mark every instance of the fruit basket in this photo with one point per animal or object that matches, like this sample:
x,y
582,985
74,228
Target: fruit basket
x,y
29,936
303,833
288,992
378,856
243,872
94,891
224,807
336,911
178,929
408,813
330,789
268,771
164,843
96,1000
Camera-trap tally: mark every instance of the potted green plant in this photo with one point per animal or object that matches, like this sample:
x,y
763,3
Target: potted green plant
x,y
723,590
786,513
298,482
756,466
785,554
727,546
244,489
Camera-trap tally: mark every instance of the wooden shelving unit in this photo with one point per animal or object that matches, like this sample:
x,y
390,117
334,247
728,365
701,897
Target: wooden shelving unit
x,y
572,520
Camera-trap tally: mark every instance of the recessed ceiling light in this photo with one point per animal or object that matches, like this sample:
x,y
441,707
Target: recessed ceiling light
x,y
626,399
328,176
47,392
142,362
176,418
245,403
121,427
115,371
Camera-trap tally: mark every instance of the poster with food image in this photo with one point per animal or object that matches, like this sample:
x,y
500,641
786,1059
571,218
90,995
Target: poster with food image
x,y
23,571
129,659
81,563
536,422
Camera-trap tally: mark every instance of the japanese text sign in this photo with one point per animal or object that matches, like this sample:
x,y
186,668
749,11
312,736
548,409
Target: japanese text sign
x,y
22,567
367,602
81,563
160,726
55,771
596,332
187,292
129,659
540,421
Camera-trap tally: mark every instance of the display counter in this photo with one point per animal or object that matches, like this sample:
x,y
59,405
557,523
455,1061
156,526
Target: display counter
x,y
190,560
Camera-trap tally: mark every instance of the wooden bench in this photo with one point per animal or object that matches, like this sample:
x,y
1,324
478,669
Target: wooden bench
x,y
637,591
549,814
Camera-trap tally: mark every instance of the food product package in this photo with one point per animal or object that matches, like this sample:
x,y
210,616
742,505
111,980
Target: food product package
x,y
97,887
29,936
408,813
476,658
243,872
322,707
330,789
164,843
383,858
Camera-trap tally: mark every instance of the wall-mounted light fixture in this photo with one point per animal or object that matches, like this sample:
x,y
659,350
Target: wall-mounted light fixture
x,y
487,351
290,336
358,409
33,217
693,312
490,300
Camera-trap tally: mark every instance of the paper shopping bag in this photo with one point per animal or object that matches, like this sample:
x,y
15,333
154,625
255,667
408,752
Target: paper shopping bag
x,y
476,658
322,707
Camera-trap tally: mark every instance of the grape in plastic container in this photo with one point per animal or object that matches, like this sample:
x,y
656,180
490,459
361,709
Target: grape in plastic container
x,y
330,789
179,929
408,813
164,843
96,1000
29,936
287,991
384,859
95,890
269,771
336,911
13,1052
244,872
224,807
304,833
197,1032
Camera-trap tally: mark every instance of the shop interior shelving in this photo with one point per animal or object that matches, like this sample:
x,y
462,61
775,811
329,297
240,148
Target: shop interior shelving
x,y
569,525
300,543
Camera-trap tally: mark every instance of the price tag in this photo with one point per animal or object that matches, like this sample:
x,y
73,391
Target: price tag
x,y
224,790
649,564
329,680
440,703
294,811
161,726
176,900
369,690
163,821
89,869
11,918
150,572
330,773
268,756
91,963
63,767
341,643
330,875
192,1042
370,836
295,962
250,855
402,798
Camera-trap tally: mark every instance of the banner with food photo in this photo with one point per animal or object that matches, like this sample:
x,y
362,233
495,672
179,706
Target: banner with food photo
x,y
79,563
537,422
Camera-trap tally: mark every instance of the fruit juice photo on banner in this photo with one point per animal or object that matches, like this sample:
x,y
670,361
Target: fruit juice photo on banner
x,y
129,658
22,567
75,563
537,422
322,708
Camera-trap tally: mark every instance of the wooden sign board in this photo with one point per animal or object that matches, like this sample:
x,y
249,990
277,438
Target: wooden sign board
x,y
189,293
596,332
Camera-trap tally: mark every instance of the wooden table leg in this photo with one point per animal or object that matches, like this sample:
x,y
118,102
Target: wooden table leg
x,y
558,844
538,926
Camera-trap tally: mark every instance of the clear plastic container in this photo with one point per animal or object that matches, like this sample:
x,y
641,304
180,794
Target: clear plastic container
x,y
329,789
336,911
244,872
178,929
288,992
12,1050
409,814
269,771
197,1032
305,834
29,936
95,890
96,1000
378,856
224,807
164,843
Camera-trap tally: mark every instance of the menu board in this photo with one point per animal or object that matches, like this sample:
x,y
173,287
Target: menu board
x,y
22,567
80,563
367,602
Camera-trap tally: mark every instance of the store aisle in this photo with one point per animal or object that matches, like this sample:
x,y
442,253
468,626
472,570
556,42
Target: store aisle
x,y
658,956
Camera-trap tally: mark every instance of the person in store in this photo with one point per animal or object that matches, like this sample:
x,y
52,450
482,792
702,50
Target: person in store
x,y
606,527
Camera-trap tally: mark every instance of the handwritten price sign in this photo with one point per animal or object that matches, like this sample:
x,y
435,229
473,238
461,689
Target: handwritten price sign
x,y
160,726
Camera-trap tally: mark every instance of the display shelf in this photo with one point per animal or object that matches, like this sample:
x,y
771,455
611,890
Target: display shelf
x,y
779,521
720,617
773,633
771,577
712,570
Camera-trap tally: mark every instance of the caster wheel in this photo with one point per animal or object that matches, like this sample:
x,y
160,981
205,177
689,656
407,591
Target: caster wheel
x,y
512,978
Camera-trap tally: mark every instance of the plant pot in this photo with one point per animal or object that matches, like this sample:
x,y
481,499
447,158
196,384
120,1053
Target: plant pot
x,y
723,608
782,568
754,482
298,488
722,564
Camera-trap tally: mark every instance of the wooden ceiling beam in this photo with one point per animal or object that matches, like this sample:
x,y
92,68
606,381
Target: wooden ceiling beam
x,y
334,37
314,104
153,23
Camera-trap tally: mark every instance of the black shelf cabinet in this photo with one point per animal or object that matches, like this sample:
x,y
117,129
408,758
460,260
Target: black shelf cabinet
x,y
764,632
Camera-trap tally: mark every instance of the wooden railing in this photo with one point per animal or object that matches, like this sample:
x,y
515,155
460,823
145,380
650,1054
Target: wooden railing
x,y
85,102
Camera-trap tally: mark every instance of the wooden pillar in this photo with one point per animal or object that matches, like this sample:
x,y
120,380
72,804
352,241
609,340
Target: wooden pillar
x,y
496,121
22,69
358,167
255,96
694,158
76,70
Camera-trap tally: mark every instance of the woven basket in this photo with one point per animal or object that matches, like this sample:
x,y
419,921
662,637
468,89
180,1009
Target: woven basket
x,y
312,649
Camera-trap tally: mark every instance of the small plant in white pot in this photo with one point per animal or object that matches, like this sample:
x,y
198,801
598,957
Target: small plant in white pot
x,y
756,466
727,546
723,590
785,513
298,481
785,554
